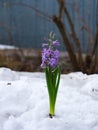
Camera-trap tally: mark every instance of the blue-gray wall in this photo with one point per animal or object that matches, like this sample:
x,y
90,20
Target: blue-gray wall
x,y
22,26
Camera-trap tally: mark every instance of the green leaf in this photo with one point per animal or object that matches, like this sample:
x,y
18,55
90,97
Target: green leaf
x,y
54,72
49,84
52,79
57,83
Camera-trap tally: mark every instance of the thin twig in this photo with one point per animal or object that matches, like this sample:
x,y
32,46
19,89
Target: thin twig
x,y
42,14
62,30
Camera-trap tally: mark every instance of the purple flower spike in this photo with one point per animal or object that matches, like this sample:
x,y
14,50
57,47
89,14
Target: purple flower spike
x,y
50,56
56,43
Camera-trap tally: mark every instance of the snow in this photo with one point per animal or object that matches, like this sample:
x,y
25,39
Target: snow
x,y
2,47
24,102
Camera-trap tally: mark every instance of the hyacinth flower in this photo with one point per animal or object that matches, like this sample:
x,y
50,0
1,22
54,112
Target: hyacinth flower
x,y
50,63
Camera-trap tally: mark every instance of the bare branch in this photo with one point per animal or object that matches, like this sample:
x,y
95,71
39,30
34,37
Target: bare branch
x,y
61,8
42,14
62,30
76,40
95,42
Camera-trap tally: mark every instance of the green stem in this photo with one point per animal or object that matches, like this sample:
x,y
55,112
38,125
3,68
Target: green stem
x,y
52,108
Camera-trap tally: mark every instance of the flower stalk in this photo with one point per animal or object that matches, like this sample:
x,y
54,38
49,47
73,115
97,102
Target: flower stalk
x,y
50,62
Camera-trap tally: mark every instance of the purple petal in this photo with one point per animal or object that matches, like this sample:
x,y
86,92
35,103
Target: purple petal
x,y
56,43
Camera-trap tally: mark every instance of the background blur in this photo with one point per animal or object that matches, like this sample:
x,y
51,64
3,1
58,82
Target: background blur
x,y
25,23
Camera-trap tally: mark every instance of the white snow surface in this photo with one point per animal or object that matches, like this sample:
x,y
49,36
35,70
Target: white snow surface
x,y
24,102
2,47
